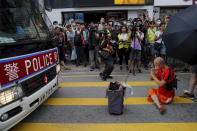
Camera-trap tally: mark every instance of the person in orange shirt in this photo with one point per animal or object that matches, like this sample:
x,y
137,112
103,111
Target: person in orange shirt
x,y
164,94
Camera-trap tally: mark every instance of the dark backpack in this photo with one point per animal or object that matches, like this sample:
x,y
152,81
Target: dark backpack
x,y
173,84
77,39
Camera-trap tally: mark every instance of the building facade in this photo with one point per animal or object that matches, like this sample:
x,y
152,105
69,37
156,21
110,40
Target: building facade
x,y
92,10
169,7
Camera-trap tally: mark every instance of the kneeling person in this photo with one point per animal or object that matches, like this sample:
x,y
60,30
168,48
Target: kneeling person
x,y
164,76
108,50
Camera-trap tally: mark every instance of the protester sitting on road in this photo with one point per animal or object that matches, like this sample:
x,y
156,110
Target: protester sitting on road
x,y
193,82
163,77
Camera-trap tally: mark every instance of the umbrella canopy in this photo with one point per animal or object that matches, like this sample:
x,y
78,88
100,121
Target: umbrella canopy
x,y
180,36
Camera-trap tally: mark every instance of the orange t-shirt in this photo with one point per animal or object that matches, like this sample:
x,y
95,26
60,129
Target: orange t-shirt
x,y
163,76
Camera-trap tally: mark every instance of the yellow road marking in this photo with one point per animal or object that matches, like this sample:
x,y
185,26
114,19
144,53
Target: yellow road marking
x,y
104,84
89,75
73,76
103,101
106,127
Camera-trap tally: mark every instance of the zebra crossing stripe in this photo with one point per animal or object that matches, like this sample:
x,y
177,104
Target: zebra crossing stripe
x,y
120,75
104,84
106,127
103,101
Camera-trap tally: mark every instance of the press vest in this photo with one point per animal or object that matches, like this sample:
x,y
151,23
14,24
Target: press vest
x,y
123,44
151,35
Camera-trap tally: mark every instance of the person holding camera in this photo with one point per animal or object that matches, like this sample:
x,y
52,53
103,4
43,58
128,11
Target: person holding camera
x,y
124,39
106,52
160,47
164,76
94,46
135,53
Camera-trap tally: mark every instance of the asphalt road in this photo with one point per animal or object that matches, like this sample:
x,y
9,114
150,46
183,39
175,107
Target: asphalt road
x,y
84,107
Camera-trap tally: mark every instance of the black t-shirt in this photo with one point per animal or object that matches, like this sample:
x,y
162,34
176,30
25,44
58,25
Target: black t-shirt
x,y
93,41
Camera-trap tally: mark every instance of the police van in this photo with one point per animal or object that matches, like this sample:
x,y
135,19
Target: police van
x,y
28,61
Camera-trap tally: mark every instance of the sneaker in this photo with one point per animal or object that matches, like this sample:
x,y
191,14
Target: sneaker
x,y
130,71
185,70
162,110
110,77
139,71
102,77
188,95
91,69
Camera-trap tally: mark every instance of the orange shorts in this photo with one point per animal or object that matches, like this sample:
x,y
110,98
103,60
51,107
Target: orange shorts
x,y
163,99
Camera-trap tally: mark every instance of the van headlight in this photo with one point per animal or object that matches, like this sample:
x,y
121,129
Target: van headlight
x,y
58,68
10,95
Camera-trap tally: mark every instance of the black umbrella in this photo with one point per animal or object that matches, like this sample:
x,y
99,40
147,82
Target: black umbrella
x,y
180,36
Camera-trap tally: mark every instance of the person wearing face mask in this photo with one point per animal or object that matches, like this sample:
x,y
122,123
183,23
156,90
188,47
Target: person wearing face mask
x,y
161,51
163,77
166,19
151,39
158,22
135,50
125,23
73,26
55,24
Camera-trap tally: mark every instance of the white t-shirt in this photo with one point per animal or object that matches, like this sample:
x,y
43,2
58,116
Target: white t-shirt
x,y
124,37
100,27
158,33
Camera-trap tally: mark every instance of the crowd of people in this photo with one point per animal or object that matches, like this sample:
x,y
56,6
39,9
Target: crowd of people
x,y
135,41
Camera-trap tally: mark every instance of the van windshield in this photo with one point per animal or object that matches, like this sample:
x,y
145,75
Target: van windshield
x,y
21,21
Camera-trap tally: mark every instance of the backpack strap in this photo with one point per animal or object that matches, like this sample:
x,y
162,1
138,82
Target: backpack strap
x,y
83,42
169,74
108,46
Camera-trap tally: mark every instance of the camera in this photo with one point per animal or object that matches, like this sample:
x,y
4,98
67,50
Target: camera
x,y
137,22
114,45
